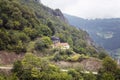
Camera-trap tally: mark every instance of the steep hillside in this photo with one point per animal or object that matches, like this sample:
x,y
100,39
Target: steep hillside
x,y
17,26
27,26
33,21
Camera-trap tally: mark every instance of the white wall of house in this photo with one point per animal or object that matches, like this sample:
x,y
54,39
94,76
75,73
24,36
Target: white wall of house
x,y
65,47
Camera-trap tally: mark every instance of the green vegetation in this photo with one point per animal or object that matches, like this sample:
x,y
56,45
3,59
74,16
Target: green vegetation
x,y
34,68
110,70
27,27
34,21
75,37
43,43
19,25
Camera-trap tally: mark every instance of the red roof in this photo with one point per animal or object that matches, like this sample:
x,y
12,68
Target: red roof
x,y
61,44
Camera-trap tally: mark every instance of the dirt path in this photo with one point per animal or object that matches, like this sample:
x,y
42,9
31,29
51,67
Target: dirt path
x,y
90,64
6,68
64,70
85,72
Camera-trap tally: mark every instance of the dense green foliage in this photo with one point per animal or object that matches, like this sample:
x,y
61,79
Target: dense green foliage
x,y
75,37
43,43
110,70
34,68
8,77
18,25
22,21
68,55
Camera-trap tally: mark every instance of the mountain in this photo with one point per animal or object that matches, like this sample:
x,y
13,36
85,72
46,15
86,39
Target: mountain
x,y
29,35
27,26
104,32
35,21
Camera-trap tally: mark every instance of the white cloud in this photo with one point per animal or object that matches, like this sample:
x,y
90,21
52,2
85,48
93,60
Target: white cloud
x,y
87,8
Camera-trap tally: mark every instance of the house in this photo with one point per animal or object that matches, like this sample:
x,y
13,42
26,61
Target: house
x,y
62,45
58,44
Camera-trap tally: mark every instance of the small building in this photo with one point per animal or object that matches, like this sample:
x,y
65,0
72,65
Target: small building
x,y
58,44
61,45
64,45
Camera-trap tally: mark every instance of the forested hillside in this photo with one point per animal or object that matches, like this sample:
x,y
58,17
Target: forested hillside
x,y
26,20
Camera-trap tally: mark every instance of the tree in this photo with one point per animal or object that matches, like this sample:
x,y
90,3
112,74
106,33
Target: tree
x,y
107,76
89,76
109,65
108,71
17,25
117,74
50,25
17,68
1,22
20,47
23,37
45,31
34,68
2,77
32,33
10,24
43,43
12,77
102,55
76,75
25,69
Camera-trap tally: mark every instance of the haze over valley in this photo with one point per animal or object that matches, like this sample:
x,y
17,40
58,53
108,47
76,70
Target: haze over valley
x,y
105,32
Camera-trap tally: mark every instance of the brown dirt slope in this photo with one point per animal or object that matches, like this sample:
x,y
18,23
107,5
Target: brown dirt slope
x,y
7,58
90,64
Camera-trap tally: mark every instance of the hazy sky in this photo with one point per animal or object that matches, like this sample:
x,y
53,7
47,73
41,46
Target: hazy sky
x,y
87,8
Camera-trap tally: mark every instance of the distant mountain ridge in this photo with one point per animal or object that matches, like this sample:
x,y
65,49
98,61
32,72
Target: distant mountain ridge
x,y
105,32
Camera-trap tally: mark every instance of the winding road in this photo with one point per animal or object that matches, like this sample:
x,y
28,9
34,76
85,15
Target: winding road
x,y
64,70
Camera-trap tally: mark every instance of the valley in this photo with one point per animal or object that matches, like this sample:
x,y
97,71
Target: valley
x,y
104,32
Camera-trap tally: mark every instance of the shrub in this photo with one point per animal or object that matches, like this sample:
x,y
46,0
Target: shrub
x,y
1,22
90,76
75,57
43,43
